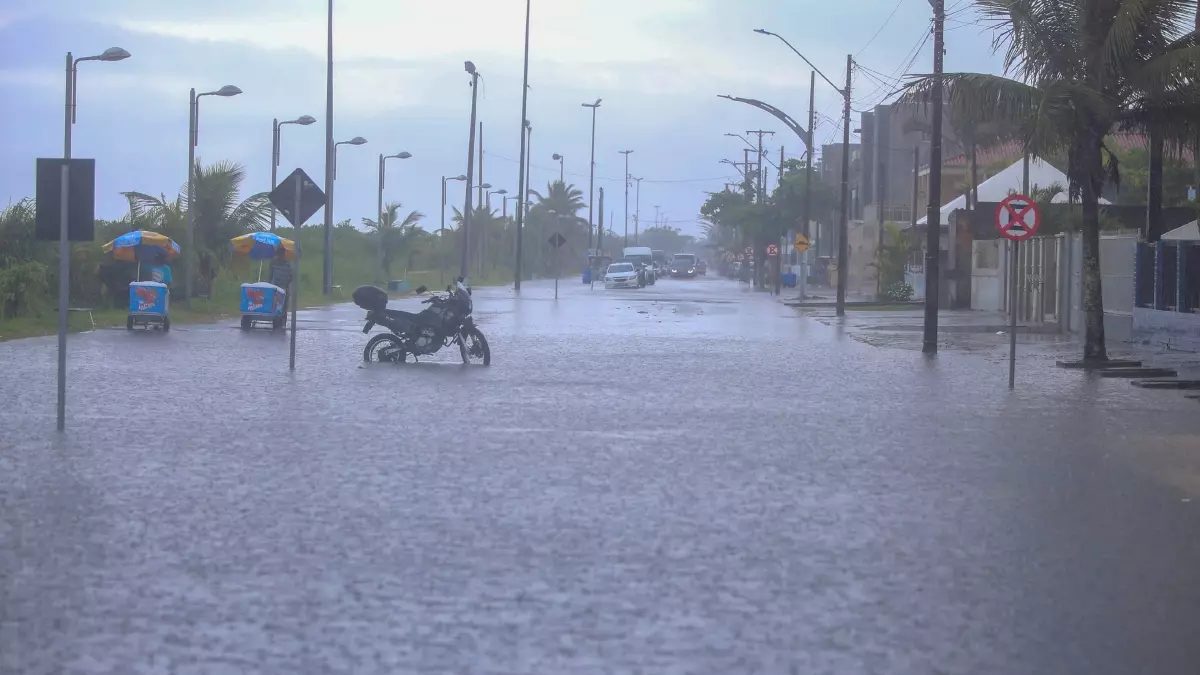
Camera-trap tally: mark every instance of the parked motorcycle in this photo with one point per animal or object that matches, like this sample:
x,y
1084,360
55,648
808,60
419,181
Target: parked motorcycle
x,y
446,322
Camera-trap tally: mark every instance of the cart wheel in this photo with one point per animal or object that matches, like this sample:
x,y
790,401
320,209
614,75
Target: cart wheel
x,y
166,323
129,323
247,323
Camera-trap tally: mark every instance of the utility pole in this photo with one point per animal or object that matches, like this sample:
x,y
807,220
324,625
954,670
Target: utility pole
x,y
466,215
762,182
330,149
933,232
522,171
600,227
844,225
626,153
880,198
481,181
812,153
637,211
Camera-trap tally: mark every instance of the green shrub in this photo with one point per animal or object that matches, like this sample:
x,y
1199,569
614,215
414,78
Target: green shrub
x,y
898,292
21,286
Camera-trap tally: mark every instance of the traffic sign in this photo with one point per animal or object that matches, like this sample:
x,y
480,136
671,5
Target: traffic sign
x,y
284,197
81,199
557,240
801,244
1018,217
772,249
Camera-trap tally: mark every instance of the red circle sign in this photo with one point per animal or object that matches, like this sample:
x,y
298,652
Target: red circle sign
x,y
1018,217
772,249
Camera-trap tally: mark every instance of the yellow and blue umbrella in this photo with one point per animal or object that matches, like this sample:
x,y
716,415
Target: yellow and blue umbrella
x,y
263,246
142,246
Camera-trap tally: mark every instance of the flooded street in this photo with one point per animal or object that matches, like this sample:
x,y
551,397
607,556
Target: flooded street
x,y
686,478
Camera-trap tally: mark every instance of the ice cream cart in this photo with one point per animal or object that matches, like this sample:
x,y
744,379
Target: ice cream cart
x,y
263,302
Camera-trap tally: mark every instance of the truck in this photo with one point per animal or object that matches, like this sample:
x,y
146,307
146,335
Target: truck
x,y
643,259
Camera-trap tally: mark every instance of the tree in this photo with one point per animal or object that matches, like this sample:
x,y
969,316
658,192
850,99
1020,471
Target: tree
x,y
219,215
394,237
561,198
1082,68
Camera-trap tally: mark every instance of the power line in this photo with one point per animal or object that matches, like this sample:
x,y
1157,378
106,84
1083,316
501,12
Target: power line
x,y
880,29
613,179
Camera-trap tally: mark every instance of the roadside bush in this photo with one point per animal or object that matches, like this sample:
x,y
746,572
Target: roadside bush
x,y
898,292
21,286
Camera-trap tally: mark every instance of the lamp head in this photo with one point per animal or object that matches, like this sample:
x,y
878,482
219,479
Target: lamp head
x,y
557,156
228,90
357,140
305,120
113,54
469,67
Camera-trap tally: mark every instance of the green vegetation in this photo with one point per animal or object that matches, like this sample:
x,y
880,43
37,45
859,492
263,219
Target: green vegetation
x,y
398,250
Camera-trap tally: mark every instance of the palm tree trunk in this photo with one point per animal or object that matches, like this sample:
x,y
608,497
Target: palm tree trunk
x,y
1093,299
1154,186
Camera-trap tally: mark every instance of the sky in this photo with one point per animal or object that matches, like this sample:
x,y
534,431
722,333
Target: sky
x,y
658,65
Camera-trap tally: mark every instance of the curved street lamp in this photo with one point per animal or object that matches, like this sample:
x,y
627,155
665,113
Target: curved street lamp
x,y
303,120
193,140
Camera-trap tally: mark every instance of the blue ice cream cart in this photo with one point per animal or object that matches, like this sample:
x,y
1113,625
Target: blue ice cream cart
x,y
149,301
262,302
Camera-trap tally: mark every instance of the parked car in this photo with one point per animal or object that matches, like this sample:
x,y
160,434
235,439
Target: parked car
x,y
701,267
621,275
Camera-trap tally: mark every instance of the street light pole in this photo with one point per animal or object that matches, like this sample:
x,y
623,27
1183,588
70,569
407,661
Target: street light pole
x,y
844,225
466,215
626,153
523,170
561,174
442,230
304,120
379,200
330,158
592,171
64,242
193,140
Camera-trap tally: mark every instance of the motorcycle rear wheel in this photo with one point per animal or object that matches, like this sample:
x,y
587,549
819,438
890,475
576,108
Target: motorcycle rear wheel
x,y
384,348
474,347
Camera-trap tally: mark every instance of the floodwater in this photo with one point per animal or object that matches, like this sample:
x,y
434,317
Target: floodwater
x,y
687,478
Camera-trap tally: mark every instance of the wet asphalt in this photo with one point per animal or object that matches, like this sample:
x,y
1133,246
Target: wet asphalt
x,y
688,478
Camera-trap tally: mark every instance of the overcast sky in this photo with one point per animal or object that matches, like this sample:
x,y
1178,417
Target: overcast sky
x,y
658,65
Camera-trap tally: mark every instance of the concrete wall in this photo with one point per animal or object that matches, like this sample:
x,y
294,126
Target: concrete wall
x,y
989,260
1176,329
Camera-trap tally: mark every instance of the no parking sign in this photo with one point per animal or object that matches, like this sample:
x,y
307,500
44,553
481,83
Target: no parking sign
x,y
1018,217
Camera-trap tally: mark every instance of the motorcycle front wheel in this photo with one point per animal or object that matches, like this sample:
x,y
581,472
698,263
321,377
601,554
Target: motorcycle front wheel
x,y
384,348
474,347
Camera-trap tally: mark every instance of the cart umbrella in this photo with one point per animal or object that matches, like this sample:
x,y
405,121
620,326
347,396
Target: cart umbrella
x,y
142,246
263,246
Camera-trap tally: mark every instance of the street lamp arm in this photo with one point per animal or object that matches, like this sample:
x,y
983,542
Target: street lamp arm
x,y
810,63
805,135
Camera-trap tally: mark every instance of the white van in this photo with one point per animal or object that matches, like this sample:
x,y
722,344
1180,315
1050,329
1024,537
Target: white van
x,y
643,259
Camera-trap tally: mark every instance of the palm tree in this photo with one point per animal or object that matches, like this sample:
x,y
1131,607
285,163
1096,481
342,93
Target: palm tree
x,y
563,199
394,236
1082,68
219,215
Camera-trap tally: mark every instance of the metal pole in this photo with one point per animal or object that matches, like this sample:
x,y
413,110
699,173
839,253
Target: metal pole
x,y
880,198
1014,287
522,171
379,214
626,153
933,233
600,225
637,211
592,181
812,153
916,187
466,215
294,284
560,170
327,263
64,250
481,197
844,224
442,238
274,165
189,253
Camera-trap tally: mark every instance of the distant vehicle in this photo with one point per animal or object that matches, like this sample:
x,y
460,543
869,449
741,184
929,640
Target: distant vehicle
x,y
662,264
683,265
701,267
621,275
643,259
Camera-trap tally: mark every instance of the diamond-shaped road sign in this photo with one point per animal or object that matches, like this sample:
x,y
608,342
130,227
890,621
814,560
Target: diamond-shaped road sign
x,y
557,240
284,197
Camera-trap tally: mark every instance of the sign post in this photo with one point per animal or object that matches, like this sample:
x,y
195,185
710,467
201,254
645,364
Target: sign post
x,y
557,240
1017,218
297,198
